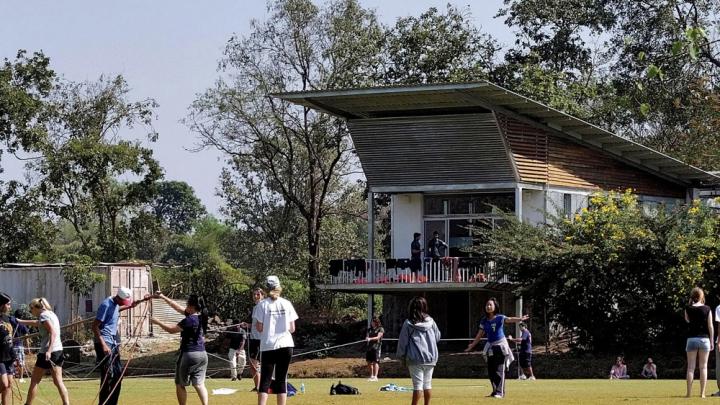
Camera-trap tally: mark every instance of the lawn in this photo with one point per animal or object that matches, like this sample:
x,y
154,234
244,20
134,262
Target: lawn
x,y
146,391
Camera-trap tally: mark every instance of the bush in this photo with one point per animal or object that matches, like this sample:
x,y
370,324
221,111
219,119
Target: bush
x,y
616,277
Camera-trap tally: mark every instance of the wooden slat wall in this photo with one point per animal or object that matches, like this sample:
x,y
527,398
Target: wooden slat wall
x,y
544,158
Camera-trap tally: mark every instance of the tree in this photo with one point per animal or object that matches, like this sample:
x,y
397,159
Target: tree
x,y
25,233
648,70
437,48
176,207
84,158
25,83
299,154
615,265
80,278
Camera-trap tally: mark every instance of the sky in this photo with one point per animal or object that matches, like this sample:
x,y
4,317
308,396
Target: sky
x,y
167,50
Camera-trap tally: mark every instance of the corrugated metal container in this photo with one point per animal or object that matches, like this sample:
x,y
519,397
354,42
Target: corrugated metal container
x,y
25,282
164,313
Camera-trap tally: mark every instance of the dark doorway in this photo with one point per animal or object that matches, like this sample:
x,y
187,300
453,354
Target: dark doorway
x,y
458,316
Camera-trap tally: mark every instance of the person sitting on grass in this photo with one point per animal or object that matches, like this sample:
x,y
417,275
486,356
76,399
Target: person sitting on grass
x,y
649,369
619,370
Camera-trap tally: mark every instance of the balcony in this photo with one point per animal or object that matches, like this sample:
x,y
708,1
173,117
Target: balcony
x,y
394,275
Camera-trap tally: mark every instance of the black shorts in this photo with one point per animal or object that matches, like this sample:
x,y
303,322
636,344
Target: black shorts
x,y
7,367
56,360
525,360
254,349
274,369
415,264
372,356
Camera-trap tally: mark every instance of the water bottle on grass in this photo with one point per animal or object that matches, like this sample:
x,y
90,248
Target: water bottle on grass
x,y
302,387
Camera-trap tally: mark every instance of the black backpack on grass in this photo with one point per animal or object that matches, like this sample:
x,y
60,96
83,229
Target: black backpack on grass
x,y
342,389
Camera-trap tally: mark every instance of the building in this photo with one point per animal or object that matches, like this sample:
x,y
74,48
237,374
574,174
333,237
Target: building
x,y
448,153
27,281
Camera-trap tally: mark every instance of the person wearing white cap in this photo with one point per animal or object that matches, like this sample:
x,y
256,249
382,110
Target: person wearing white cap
x,y
274,317
107,346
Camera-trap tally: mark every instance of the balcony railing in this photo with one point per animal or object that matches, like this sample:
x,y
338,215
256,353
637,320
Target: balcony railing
x,y
397,271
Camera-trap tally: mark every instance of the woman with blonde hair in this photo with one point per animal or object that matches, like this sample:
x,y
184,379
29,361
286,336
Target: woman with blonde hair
x,y
274,317
50,356
699,338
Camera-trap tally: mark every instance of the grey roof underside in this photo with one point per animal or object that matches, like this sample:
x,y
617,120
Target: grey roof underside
x,y
431,150
355,104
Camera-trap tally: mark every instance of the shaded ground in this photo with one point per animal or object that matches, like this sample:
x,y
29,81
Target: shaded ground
x,y
143,391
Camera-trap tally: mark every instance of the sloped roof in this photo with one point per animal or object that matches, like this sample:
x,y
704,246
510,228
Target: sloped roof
x,y
377,102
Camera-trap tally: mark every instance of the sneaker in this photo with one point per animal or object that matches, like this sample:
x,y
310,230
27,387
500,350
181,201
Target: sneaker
x,y
522,377
497,396
532,378
233,379
239,377
22,381
717,394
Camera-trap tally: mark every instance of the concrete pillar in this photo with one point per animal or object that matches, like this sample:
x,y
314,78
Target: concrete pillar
x,y
371,249
518,312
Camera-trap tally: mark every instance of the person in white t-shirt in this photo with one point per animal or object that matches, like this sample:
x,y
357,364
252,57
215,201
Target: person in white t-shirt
x,y
50,356
274,317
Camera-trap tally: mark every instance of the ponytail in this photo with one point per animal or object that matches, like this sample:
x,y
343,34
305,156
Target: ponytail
x,y
41,303
204,315
274,294
199,304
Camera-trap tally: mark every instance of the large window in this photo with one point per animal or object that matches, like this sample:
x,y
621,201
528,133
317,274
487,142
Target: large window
x,y
455,216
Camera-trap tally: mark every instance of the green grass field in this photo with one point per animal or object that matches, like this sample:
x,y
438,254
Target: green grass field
x,y
147,391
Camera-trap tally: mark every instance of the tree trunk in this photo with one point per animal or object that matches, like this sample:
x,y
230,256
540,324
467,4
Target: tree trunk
x,y
313,235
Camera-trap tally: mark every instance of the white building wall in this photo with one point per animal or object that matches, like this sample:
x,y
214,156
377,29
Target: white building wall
x,y
540,206
533,206
406,218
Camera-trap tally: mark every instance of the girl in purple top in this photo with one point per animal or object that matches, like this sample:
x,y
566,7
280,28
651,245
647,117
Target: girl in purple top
x,y
192,362
497,347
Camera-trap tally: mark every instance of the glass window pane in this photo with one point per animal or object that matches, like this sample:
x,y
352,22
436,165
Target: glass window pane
x,y
434,205
460,238
491,203
459,205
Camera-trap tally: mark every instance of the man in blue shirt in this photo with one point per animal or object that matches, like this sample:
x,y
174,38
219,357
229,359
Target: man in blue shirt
x,y
526,352
107,345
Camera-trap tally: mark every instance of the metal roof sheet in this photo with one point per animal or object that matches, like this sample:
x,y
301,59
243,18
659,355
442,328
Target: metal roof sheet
x,y
374,102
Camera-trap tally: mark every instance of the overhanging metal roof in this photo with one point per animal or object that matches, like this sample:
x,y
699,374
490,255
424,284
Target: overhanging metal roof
x,y
428,99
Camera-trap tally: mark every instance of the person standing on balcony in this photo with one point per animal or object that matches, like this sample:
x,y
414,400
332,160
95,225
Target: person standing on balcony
x,y
415,256
435,246
374,343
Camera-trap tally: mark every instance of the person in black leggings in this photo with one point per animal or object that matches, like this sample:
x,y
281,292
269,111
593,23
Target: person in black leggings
x,y
274,317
